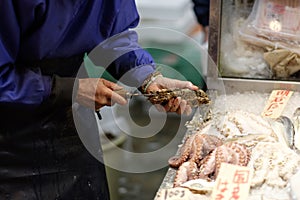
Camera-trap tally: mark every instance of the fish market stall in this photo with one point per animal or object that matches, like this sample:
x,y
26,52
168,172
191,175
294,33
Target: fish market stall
x,y
267,146
252,124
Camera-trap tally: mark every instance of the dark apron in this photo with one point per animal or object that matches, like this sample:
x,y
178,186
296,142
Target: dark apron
x,y
41,154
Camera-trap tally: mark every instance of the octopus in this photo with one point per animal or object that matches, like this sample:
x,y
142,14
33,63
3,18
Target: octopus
x,y
232,153
195,148
208,167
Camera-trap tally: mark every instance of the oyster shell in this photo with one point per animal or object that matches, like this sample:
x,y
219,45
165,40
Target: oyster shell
x,y
193,97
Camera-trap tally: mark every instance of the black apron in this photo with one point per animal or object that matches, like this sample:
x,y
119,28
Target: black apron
x,y
41,154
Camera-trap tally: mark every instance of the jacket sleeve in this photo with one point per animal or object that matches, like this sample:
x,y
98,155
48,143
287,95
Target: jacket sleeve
x,y
201,9
125,59
133,64
17,85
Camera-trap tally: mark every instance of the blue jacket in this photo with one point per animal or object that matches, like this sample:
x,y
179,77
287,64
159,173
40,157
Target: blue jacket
x,y
201,8
33,30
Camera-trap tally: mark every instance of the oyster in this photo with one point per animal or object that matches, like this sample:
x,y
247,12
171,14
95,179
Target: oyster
x,y
193,97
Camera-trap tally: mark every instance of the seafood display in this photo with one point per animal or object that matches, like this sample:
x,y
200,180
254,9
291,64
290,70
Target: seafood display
x,y
207,167
270,147
273,164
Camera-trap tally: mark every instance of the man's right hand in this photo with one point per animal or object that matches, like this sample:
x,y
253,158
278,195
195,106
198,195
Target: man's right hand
x,y
98,92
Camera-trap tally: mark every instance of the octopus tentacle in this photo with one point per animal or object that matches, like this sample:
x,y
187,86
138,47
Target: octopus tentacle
x,y
184,154
232,152
185,172
195,148
211,143
196,152
208,165
243,154
204,145
222,155
201,156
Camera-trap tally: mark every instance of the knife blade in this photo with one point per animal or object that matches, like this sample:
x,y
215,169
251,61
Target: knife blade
x,y
127,94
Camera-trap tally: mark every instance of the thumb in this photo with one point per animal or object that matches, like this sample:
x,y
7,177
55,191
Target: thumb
x,y
174,83
190,85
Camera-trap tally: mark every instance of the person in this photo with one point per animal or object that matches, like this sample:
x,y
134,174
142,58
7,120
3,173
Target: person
x,y
201,10
42,45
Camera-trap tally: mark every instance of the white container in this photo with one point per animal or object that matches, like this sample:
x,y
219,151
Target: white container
x,y
162,9
177,15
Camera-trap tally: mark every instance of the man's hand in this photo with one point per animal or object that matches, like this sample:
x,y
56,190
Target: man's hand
x,y
177,105
98,92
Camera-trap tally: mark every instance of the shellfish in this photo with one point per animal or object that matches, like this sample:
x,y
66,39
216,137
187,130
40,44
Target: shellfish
x,y
193,97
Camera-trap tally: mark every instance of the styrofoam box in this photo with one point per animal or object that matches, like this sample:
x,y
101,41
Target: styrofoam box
x,y
162,9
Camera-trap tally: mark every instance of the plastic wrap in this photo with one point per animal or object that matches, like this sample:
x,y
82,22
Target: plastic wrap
x,y
274,23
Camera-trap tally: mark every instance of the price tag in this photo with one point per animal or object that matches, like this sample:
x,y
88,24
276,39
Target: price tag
x,y
174,194
233,183
276,103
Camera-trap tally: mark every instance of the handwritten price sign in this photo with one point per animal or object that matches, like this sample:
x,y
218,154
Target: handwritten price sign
x,y
276,103
233,183
174,194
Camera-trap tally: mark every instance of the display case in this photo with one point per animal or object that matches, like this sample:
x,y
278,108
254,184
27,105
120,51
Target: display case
x,y
254,49
254,45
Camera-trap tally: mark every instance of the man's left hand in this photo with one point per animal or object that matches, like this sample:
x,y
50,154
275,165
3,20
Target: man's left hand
x,y
177,105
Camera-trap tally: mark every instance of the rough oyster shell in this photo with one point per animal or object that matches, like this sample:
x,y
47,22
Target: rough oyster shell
x,y
193,97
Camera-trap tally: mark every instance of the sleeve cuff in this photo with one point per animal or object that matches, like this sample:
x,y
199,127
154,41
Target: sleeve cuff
x,y
63,90
138,75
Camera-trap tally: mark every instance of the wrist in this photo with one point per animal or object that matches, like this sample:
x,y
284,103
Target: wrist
x,y
149,80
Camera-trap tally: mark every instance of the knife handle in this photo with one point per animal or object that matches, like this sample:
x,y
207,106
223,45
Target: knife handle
x,y
98,114
124,93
